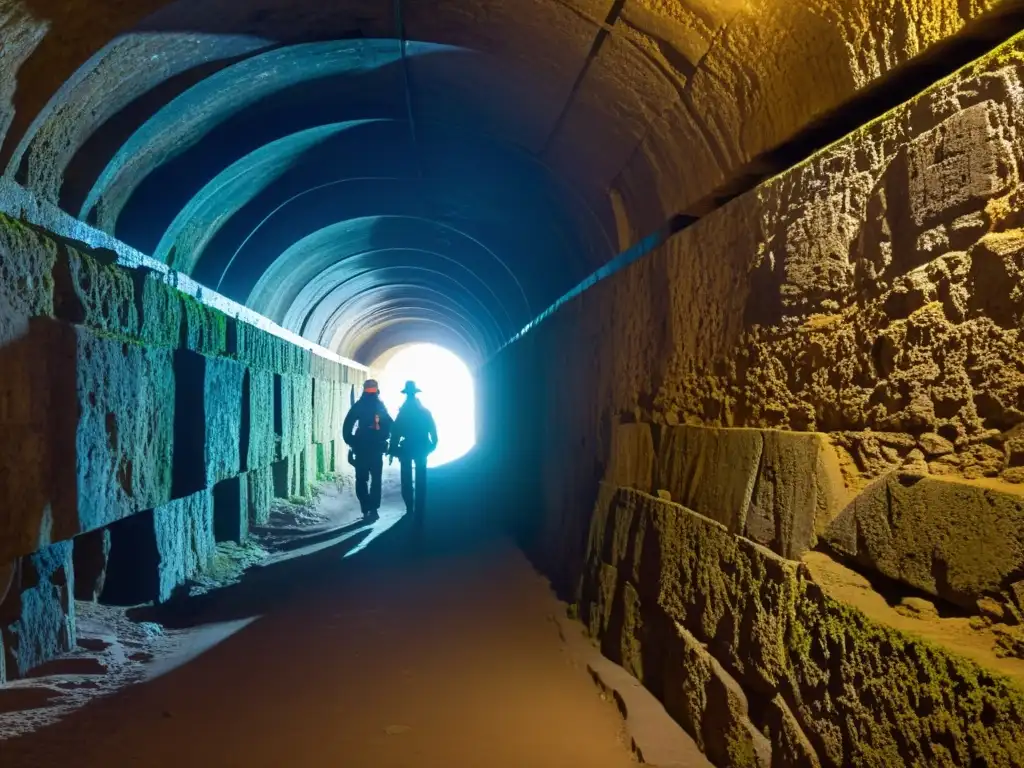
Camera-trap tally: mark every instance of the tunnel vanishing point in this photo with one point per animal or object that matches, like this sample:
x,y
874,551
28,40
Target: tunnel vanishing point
x,y
742,282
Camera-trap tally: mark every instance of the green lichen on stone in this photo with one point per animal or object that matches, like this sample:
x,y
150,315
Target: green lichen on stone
x,y
97,294
261,494
27,260
204,329
859,693
160,311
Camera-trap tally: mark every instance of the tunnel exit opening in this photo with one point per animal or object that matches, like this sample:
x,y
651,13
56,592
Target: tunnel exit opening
x,y
447,389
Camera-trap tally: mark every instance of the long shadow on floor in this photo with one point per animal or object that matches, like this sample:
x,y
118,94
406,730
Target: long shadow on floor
x,y
455,522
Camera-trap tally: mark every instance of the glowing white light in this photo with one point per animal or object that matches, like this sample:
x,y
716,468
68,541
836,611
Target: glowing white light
x,y
447,390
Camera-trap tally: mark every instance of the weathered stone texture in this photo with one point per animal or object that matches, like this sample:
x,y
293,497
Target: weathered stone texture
x,y
223,417
154,552
204,329
27,259
631,462
125,401
780,489
958,540
93,371
184,538
260,494
329,409
296,414
714,619
710,704
872,293
28,471
755,74
37,618
93,291
261,446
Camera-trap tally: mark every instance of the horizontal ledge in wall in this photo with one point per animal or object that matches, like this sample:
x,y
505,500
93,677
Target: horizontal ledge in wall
x,y
19,203
620,262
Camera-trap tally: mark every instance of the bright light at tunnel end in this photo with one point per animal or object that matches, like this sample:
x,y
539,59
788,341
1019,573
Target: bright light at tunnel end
x,y
448,390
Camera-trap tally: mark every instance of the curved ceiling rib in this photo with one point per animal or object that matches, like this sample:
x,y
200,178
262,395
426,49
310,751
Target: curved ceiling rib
x,y
281,282
331,287
370,171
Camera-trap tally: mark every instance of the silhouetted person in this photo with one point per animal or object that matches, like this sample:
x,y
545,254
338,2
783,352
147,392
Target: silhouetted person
x,y
413,438
366,431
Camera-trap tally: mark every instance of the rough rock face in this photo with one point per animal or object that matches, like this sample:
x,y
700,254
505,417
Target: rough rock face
x,y
261,446
708,619
260,494
122,409
154,552
864,307
125,397
223,418
871,294
37,618
958,540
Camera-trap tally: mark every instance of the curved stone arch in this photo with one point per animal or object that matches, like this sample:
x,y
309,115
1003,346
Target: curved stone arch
x,y
393,286
237,185
324,247
417,331
314,301
370,324
523,252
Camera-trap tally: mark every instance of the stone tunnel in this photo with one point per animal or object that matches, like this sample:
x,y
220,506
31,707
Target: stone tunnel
x,y
741,284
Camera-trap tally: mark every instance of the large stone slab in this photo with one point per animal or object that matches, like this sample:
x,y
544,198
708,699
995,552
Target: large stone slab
x,y
222,406
91,555
956,539
204,329
29,471
712,471
631,457
711,705
798,491
27,259
261,447
328,410
296,414
154,552
775,487
37,618
260,495
852,692
125,395
92,290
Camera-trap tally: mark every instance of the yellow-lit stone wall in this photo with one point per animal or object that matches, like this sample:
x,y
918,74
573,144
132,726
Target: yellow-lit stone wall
x,y
834,360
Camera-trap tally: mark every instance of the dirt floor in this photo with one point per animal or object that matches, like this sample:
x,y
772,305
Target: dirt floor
x,y
436,654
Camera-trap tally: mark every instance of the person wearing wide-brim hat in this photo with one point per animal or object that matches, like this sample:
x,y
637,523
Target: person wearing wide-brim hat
x,y
366,430
413,438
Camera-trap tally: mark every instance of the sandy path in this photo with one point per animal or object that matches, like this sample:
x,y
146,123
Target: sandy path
x,y
384,660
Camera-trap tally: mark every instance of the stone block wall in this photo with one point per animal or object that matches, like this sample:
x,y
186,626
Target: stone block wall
x,y
831,361
872,294
140,422
763,668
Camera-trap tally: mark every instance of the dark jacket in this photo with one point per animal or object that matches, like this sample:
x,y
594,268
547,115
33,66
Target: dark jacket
x,y
367,426
414,434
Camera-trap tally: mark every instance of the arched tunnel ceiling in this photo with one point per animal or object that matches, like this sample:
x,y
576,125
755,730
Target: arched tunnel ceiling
x,y
366,171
